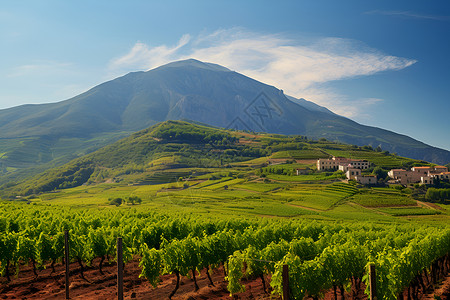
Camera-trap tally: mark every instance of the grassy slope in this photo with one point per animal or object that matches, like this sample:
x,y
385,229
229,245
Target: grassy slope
x,y
192,168
173,149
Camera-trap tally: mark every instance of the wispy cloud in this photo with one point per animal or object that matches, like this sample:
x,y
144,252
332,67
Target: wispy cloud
x,y
142,56
408,14
41,67
300,67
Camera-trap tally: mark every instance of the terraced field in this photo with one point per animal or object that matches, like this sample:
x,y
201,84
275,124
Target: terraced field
x,y
317,199
377,158
380,199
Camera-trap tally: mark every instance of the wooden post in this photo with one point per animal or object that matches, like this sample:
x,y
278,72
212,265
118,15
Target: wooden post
x,y
119,269
373,282
285,282
66,259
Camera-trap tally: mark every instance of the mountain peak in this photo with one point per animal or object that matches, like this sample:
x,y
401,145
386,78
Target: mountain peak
x,y
196,64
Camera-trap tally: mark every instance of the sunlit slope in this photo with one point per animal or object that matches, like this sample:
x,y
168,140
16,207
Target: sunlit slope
x,y
169,150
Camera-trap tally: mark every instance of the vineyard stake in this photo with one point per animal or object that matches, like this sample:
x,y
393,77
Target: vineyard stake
x,y
66,255
373,282
119,269
285,282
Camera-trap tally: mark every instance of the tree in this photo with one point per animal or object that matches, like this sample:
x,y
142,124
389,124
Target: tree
x,y
380,172
115,201
134,200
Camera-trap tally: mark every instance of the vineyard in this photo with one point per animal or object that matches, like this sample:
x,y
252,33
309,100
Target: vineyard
x,y
322,256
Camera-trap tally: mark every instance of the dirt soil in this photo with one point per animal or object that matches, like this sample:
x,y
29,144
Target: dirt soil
x,y
104,287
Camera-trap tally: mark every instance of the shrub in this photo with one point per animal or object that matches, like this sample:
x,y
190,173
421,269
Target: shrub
x,y
115,201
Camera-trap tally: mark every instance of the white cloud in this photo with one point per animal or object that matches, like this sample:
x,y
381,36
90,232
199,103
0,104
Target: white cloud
x,y
300,67
142,56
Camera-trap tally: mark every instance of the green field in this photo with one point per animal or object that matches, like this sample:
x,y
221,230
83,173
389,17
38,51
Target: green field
x,y
409,211
243,197
377,199
301,154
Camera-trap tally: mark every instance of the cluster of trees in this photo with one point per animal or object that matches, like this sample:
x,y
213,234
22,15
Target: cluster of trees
x,y
282,146
437,195
67,176
189,133
381,173
117,201
275,170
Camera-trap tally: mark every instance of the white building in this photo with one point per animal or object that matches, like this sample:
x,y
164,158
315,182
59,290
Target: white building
x,y
327,164
352,173
336,162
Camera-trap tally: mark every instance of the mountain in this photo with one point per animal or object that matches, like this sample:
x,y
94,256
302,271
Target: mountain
x,y
36,137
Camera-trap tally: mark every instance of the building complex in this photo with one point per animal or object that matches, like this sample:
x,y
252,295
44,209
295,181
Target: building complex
x,y
353,169
425,175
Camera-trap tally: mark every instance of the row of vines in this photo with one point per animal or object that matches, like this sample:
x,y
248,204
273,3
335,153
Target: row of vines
x,y
321,256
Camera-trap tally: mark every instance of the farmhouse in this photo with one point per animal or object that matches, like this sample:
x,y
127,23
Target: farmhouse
x,y
425,175
427,179
422,170
443,176
366,179
352,173
336,162
440,169
302,171
405,177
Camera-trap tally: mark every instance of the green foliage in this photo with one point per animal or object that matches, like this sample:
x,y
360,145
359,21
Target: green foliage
x,y
439,195
380,173
319,254
235,265
115,201
187,133
133,200
151,264
383,199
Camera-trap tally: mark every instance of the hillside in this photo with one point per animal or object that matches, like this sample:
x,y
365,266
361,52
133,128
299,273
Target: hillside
x,y
180,187
169,150
37,137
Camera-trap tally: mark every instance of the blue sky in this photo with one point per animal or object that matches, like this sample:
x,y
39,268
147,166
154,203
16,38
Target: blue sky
x,y
381,63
